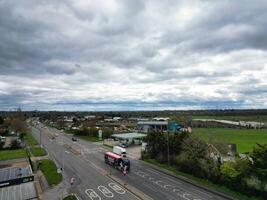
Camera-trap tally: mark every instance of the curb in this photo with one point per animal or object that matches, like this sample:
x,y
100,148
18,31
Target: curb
x,y
184,179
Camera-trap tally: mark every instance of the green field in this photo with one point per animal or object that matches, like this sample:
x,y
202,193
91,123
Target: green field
x,y
245,139
38,151
12,154
30,140
49,170
257,118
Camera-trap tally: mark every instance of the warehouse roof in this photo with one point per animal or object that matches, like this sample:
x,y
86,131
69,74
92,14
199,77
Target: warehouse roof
x,y
19,192
12,173
152,123
125,136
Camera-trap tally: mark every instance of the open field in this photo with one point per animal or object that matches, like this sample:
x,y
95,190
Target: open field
x,y
38,151
30,139
49,170
245,139
257,118
12,154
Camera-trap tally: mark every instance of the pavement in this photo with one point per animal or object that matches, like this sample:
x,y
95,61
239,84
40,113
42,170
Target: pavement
x,y
95,180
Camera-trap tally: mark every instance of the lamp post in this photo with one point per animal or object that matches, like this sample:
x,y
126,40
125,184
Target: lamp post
x,y
168,148
63,168
40,137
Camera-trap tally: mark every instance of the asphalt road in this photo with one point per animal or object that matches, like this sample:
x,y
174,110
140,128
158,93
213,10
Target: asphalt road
x,y
89,170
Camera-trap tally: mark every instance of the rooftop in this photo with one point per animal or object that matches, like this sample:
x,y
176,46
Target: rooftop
x,y
152,123
12,173
125,136
19,192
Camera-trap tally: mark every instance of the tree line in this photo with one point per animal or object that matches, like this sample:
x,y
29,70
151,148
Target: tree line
x,y
190,154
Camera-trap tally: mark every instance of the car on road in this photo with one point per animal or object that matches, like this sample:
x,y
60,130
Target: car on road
x,y
74,139
123,145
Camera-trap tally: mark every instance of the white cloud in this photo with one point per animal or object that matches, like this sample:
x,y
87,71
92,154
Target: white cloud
x,y
132,54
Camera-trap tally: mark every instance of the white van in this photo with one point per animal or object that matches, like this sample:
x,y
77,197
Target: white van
x,y
119,150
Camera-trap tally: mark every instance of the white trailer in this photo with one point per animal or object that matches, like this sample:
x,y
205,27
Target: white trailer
x,y
119,150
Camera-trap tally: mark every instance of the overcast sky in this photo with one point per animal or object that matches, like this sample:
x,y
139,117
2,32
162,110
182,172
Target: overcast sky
x,y
133,54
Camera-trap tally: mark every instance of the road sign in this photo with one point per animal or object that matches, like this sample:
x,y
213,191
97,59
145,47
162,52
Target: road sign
x,y
100,134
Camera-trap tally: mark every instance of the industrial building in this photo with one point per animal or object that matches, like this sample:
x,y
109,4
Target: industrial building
x,y
19,192
157,125
15,175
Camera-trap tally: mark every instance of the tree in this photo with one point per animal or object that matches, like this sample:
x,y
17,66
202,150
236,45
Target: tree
x,y
195,157
15,144
259,157
1,120
107,132
18,125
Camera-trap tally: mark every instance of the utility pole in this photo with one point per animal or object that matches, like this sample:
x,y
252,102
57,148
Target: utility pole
x,y
63,168
40,137
168,148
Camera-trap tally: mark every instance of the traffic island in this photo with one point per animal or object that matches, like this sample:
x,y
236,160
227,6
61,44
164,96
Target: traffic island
x,y
49,169
71,197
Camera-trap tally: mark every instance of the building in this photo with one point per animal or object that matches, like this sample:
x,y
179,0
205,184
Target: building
x,y
157,125
19,192
15,175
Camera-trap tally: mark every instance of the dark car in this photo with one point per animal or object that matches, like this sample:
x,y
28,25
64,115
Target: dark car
x,y
74,139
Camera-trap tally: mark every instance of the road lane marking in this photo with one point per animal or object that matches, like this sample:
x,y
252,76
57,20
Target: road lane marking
x,y
117,188
92,194
202,192
105,191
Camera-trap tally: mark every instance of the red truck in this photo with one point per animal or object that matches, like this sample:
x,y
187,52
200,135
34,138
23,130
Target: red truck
x,y
117,161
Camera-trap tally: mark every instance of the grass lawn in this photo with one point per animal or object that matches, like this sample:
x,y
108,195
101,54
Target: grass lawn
x,y
12,154
49,170
70,197
257,118
30,139
204,182
245,139
38,151
88,138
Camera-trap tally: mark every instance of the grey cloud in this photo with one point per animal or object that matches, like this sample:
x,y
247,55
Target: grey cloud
x,y
68,48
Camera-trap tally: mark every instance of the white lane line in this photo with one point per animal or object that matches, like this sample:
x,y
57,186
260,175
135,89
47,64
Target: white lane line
x,y
190,197
92,194
164,176
157,182
210,196
105,191
117,188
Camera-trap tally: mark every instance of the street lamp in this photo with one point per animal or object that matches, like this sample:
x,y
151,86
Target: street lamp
x,y
40,137
168,148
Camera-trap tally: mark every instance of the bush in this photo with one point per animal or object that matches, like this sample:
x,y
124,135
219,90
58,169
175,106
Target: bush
x,y
15,144
107,133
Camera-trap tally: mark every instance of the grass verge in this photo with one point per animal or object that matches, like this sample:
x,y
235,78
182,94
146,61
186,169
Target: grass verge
x,y
49,170
12,154
38,151
203,182
245,139
30,140
70,197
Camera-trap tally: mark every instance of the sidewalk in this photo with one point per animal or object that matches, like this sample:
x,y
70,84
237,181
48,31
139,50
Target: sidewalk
x,y
55,193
